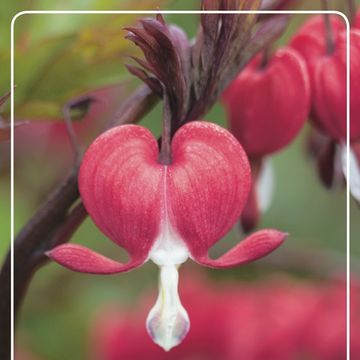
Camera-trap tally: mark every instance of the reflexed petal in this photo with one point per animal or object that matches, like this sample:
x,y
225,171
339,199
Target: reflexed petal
x,y
251,248
82,259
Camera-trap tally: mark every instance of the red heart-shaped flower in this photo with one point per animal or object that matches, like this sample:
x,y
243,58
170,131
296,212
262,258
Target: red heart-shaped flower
x,y
268,106
328,76
165,212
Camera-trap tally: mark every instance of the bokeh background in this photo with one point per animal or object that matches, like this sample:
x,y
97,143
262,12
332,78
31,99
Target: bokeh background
x,y
60,56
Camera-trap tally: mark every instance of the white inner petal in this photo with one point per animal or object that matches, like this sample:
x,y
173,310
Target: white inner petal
x,y
265,185
354,180
168,322
169,248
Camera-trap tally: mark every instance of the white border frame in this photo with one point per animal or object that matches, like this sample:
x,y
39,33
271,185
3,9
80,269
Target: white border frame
x,y
154,12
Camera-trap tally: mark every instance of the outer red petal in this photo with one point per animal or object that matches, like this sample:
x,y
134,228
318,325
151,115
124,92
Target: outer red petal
x,y
314,30
125,191
253,247
329,89
208,184
328,76
267,107
119,183
82,259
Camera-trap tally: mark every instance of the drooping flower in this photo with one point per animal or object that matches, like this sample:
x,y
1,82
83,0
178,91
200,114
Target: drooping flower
x,y
165,212
279,318
267,105
327,61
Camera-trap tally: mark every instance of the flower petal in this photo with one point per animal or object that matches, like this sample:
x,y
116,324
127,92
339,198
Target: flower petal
x,y
120,184
251,248
208,184
82,259
255,106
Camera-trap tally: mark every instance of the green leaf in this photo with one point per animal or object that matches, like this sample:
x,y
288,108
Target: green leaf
x,y
60,56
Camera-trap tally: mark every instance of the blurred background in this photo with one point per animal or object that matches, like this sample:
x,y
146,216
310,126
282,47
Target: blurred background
x,y
62,56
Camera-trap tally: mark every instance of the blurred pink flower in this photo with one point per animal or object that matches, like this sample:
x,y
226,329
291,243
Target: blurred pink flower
x,y
49,136
278,319
267,105
22,354
326,63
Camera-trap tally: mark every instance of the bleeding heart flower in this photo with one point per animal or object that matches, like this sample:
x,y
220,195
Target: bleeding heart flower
x,y
165,213
328,76
267,106
327,70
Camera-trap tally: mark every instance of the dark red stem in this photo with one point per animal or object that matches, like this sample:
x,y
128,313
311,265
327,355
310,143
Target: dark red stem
x,y
352,10
251,213
165,151
330,43
265,58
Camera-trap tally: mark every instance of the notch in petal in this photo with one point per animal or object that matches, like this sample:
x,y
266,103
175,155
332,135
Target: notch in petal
x,y
254,247
82,259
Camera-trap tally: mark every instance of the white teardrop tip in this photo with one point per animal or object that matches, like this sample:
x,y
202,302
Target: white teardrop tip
x,y
168,322
170,331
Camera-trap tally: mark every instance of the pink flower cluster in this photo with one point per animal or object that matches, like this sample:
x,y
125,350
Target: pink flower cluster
x,y
278,319
271,98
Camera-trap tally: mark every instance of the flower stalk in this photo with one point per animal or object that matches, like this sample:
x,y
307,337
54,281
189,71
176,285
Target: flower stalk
x,y
330,42
352,10
265,57
165,151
